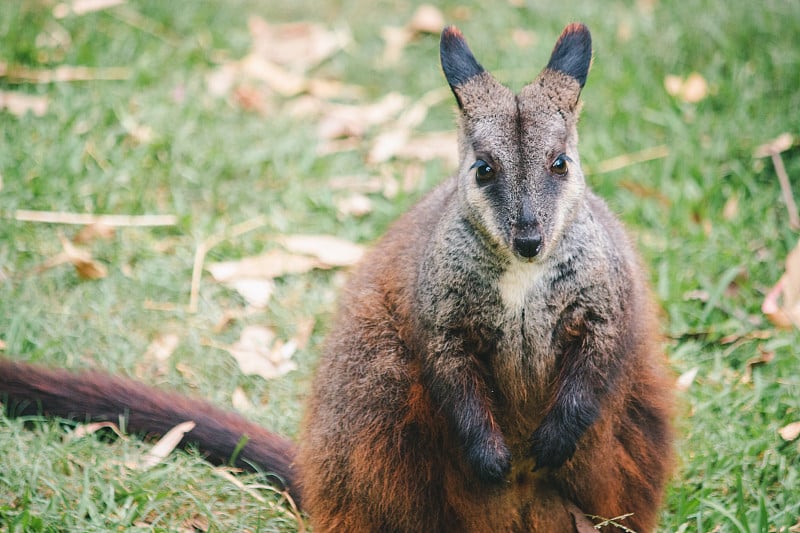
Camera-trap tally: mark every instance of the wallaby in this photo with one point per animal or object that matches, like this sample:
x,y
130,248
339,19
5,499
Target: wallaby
x,y
494,364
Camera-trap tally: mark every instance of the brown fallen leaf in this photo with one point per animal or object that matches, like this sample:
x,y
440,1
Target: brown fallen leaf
x,y
18,104
781,304
330,251
393,139
790,432
162,347
269,265
340,120
297,45
81,7
426,19
93,232
193,524
164,446
240,401
354,205
691,90
256,292
524,38
763,357
731,208
85,265
257,352
779,144
89,429
685,380
432,145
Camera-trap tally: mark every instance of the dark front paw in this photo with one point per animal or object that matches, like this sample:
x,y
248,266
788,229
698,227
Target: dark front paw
x,y
551,446
490,459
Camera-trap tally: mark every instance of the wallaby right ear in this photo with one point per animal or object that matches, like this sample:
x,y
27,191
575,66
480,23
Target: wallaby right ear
x,y
572,54
458,63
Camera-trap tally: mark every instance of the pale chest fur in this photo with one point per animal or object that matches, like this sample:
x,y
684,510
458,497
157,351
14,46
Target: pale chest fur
x,y
525,360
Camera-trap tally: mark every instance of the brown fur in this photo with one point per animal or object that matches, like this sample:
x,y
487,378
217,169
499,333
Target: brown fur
x,y
494,364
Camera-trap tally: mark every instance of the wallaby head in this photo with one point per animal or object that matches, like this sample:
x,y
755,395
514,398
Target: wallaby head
x,y
520,177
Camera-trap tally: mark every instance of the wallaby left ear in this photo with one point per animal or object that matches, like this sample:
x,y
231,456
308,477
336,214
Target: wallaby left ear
x,y
572,53
458,63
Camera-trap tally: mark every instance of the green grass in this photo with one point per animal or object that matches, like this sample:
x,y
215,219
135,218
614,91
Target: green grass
x,y
214,164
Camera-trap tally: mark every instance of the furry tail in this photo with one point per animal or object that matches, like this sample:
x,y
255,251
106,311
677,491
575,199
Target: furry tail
x,y
28,389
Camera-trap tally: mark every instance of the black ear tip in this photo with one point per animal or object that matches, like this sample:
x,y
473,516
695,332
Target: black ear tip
x,y
451,32
572,53
458,63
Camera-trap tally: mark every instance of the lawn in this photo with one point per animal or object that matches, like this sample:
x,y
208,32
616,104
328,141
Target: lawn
x,y
167,116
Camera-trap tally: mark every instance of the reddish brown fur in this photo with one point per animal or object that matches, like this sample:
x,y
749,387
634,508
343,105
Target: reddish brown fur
x,y
407,473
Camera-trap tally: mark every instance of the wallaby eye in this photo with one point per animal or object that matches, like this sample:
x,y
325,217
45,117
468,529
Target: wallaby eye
x,y
483,171
560,167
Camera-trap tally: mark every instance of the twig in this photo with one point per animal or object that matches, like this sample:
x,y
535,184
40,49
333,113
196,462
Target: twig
x,y
60,217
64,73
204,247
773,149
786,190
633,158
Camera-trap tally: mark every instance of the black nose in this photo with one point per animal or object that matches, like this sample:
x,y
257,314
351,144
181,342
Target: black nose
x,y
528,245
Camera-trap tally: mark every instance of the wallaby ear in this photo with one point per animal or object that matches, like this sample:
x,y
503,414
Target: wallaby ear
x,y
572,53
458,63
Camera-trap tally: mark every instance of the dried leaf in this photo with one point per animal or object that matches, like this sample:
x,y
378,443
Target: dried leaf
x,y
257,292
433,145
686,379
280,58
257,353
790,432
329,250
18,104
691,90
272,264
763,357
388,144
298,45
395,40
355,205
193,524
731,208
523,38
89,429
695,88
303,331
426,19
781,143
81,7
240,401
93,232
354,120
162,347
165,445
85,265
782,303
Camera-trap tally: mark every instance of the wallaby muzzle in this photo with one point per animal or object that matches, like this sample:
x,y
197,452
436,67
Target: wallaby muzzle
x,y
528,240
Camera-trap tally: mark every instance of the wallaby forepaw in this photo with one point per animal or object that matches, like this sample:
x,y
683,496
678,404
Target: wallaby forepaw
x,y
491,460
551,448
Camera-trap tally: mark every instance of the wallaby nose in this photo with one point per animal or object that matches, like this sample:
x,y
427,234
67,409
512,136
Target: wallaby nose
x,y
528,245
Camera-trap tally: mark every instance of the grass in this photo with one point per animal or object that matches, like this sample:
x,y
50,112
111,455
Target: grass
x,y
215,164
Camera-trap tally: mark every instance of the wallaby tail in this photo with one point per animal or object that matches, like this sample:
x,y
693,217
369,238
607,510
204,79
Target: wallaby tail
x,y
29,390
